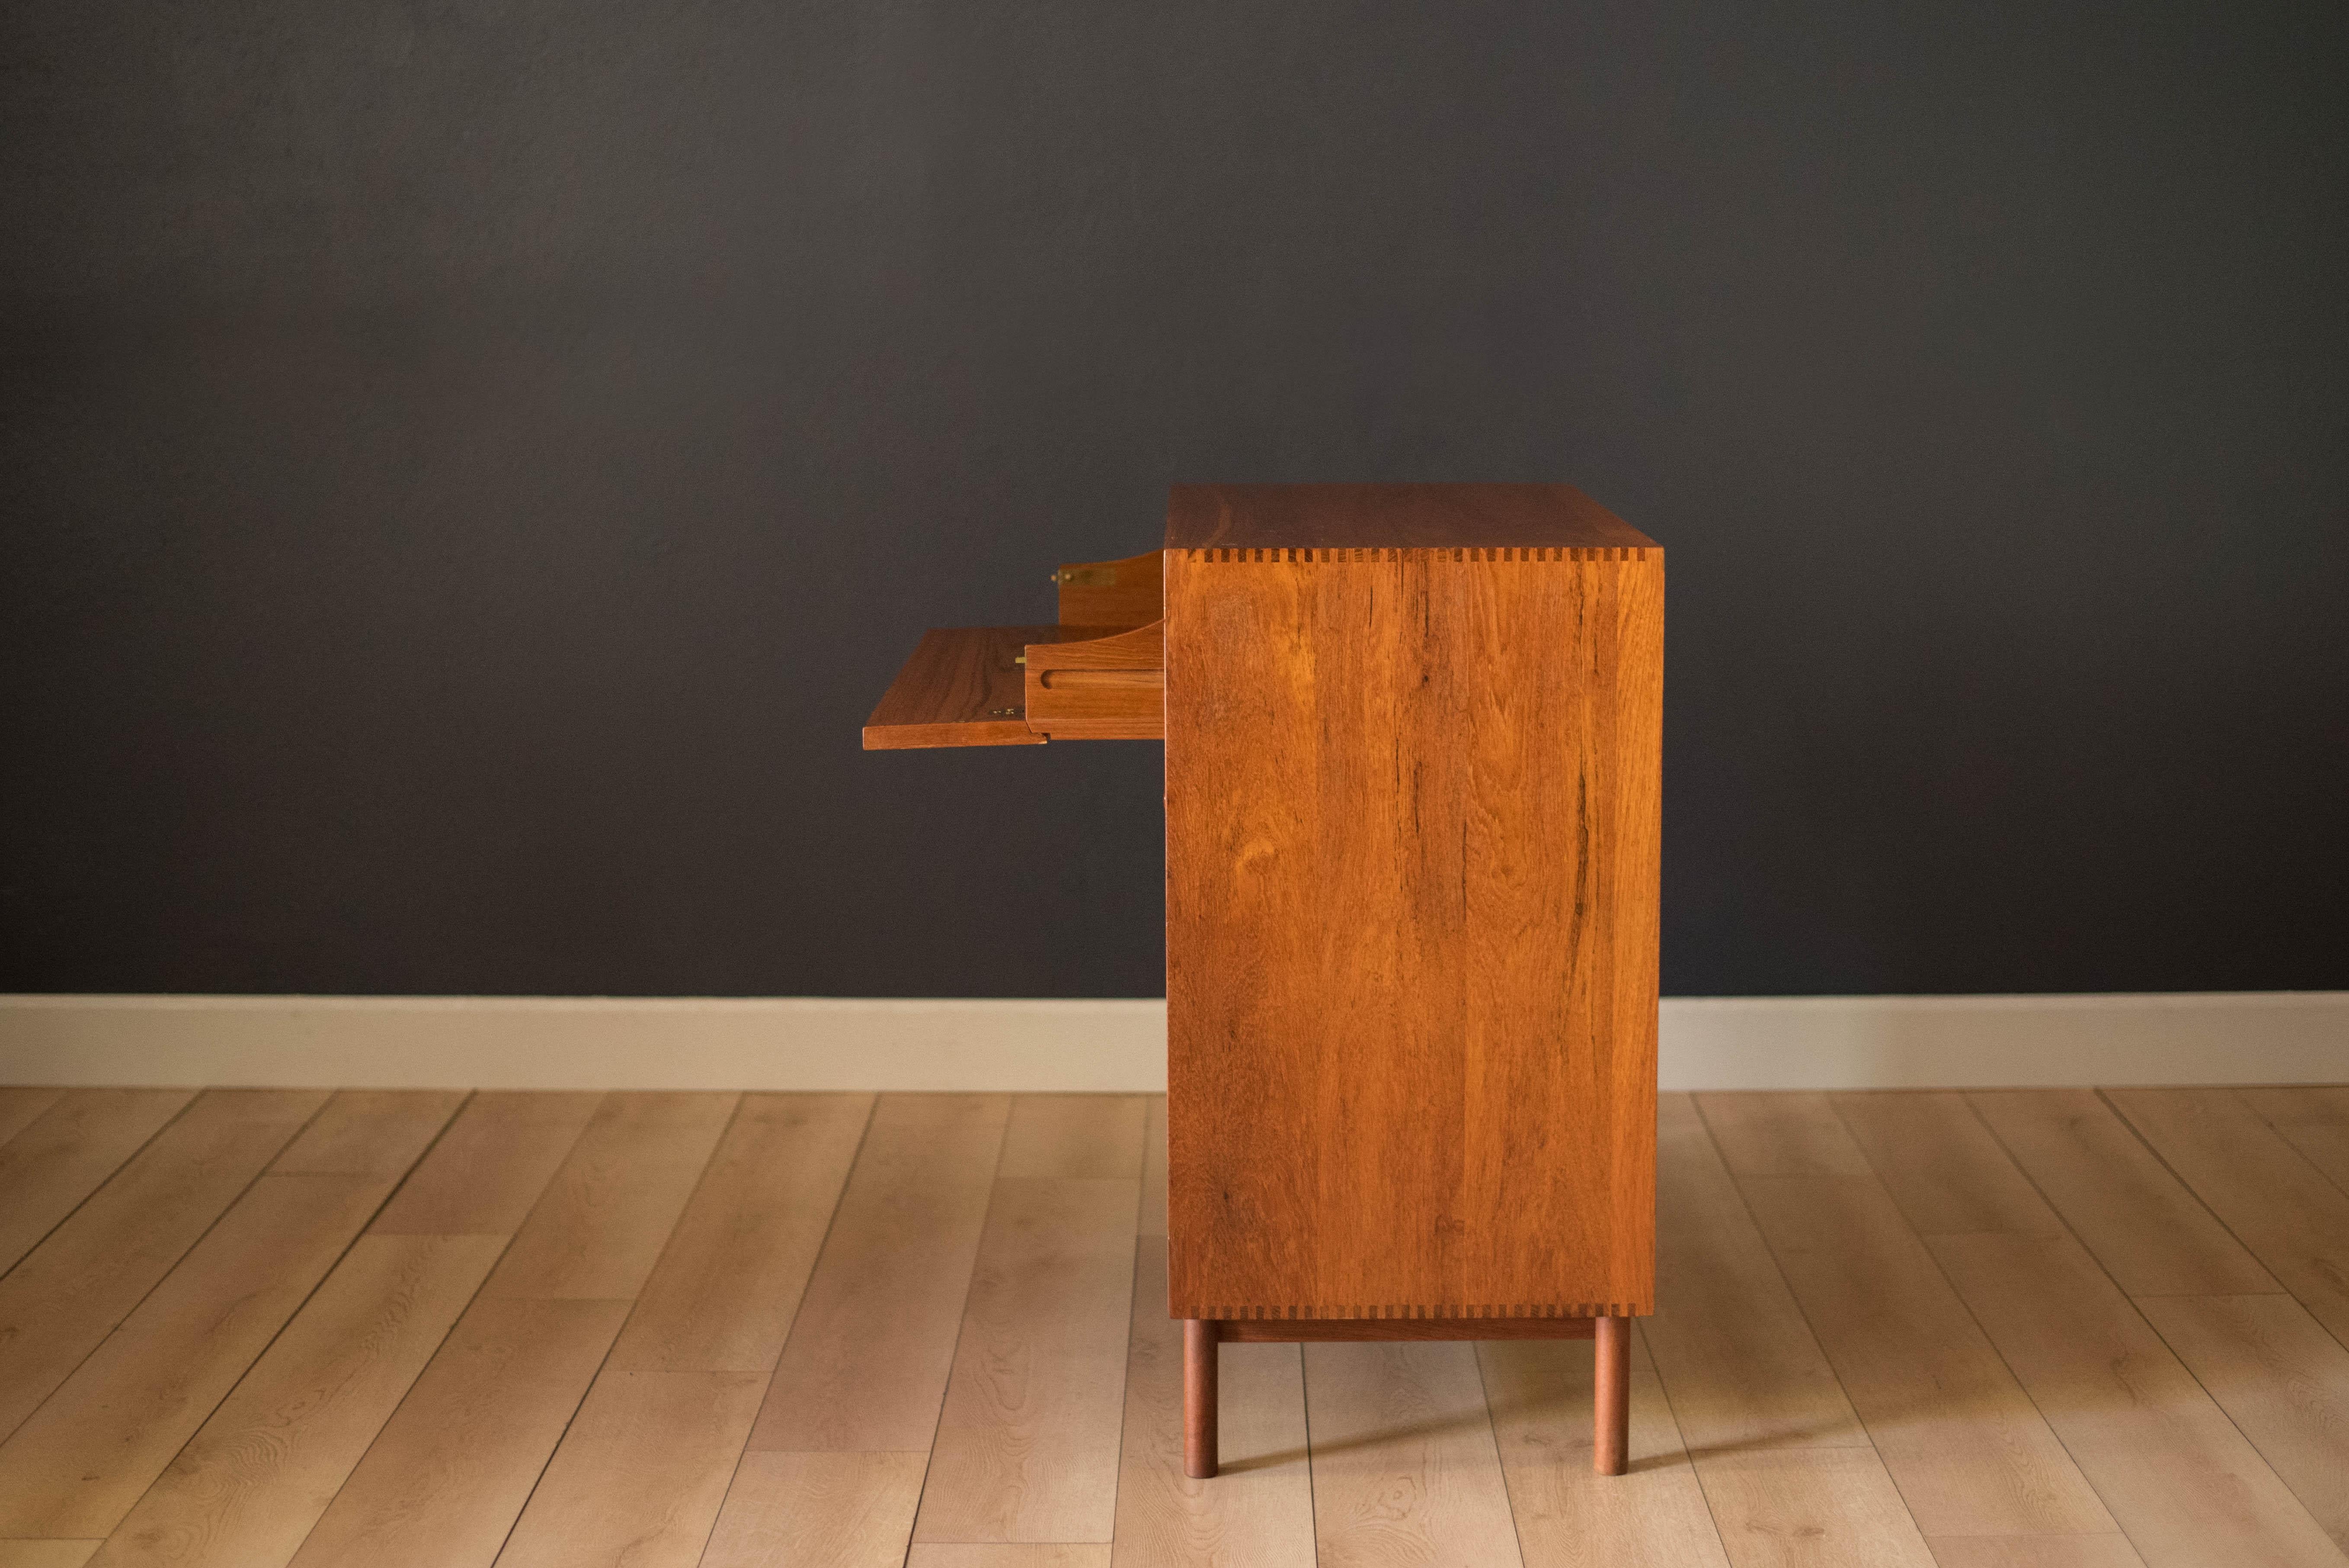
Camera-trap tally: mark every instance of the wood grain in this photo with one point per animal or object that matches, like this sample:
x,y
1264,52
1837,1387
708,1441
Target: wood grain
x,y
638,1479
1567,1517
79,1462
2312,1119
65,1152
489,1166
1737,1359
1258,1513
1810,1507
2152,1235
2281,1379
817,1511
1404,1465
1027,1442
1961,1439
87,1274
866,1363
722,1297
1393,516
599,1227
1412,819
253,1481
964,686
447,1476
2282,1209
1127,592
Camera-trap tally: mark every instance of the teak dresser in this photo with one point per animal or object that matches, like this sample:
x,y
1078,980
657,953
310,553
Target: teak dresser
x,y
1413,740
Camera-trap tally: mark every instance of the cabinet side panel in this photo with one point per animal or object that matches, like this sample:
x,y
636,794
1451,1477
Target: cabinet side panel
x,y
1562,735
1411,815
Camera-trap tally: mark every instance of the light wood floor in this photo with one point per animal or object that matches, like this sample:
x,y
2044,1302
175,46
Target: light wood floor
x,y
2049,1329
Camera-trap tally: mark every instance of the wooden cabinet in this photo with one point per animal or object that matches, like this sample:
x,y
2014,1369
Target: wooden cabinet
x,y
1413,740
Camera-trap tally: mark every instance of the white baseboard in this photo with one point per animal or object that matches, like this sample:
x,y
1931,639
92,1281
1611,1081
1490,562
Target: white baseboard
x,y
821,1043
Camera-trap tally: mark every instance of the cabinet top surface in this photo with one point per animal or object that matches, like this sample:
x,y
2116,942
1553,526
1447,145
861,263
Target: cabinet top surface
x,y
1393,517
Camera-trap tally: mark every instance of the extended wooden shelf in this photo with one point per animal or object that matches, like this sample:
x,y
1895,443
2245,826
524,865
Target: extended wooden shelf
x,y
972,686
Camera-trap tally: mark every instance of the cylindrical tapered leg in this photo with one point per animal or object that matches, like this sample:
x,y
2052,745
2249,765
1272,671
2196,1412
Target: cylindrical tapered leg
x,y
1610,1414
1199,1356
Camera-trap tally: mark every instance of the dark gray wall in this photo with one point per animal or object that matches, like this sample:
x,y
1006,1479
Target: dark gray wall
x,y
470,465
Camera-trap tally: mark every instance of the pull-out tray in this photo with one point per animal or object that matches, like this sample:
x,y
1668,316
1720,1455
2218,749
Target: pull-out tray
x,y
966,685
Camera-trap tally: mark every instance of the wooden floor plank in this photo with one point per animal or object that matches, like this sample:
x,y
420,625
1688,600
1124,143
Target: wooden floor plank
x,y
1154,1170
722,1297
78,1465
1076,1135
638,1479
47,1554
1941,1164
253,1481
2153,1236
446,1478
21,1107
1810,1507
971,1556
2312,1119
1405,1469
2285,1211
78,1462
1026,1442
81,1137
2033,1551
2282,1378
2181,1480
866,1367
829,1510
87,1275
1258,1513
491,1166
1539,1393
1737,1360
1969,1452
370,1133
596,1230
1781,1135
1792,1271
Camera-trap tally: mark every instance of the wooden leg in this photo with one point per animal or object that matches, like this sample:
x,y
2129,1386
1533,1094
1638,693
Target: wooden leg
x,y
1199,1357
1610,1415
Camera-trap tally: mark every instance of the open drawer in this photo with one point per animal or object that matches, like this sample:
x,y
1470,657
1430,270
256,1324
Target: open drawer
x,y
1099,674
